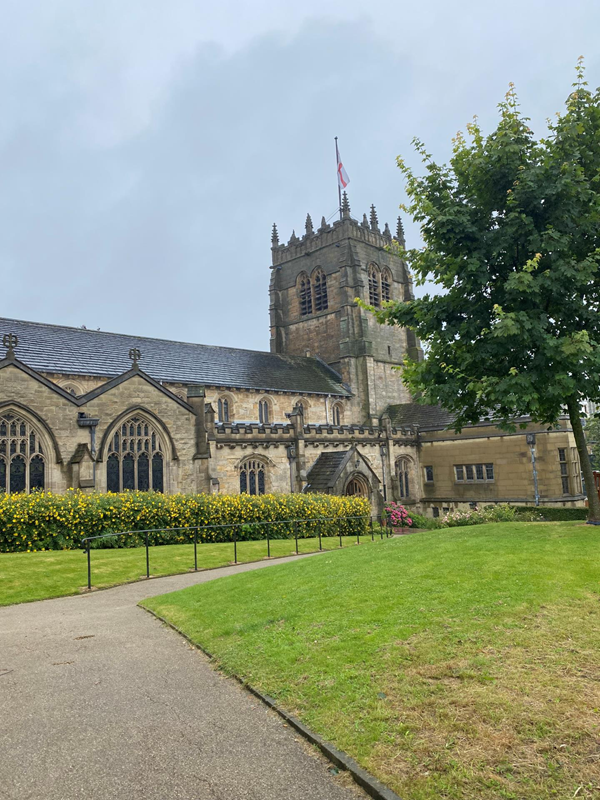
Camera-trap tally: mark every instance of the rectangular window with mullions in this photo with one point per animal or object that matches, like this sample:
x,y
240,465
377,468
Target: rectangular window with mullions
x,y
474,473
429,474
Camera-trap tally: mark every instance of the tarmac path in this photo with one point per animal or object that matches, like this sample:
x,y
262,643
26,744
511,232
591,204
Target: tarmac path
x,y
99,700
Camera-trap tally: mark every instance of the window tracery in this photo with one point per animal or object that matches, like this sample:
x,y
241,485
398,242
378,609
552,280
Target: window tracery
x,y
337,413
135,457
320,291
22,460
374,286
402,473
386,285
305,296
72,388
224,409
252,476
264,411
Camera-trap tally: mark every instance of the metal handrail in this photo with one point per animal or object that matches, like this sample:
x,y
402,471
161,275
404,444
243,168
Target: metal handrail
x,y
86,542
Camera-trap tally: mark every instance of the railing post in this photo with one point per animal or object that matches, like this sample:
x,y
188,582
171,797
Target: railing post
x,y
195,549
235,544
381,526
89,565
372,531
319,531
296,535
147,558
341,538
358,534
268,543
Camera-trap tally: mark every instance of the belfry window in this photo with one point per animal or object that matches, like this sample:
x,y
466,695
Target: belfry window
x,y
386,286
252,477
22,461
320,288
305,296
374,287
135,458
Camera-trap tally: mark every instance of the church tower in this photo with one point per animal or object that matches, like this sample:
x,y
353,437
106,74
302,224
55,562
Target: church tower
x,y
314,282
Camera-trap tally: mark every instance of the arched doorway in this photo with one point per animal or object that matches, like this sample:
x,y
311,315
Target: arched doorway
x,y
357,486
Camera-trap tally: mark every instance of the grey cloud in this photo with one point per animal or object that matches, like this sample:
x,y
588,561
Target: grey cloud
x,y
137,190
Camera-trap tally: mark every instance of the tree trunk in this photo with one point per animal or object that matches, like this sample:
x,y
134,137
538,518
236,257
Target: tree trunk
x,y
584,459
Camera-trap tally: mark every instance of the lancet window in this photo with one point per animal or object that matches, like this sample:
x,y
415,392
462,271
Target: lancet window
x,y
386,285
264,412
374,286
224,409
320,290
135,457
306,305
337,414
252,476
22,460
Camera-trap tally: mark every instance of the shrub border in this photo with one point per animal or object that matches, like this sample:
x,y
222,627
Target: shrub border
x,y
373,787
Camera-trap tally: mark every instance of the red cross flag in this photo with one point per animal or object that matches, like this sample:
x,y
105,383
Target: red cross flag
x,y
343,179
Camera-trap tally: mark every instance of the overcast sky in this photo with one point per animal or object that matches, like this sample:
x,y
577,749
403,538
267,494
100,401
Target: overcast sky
x,y
146,147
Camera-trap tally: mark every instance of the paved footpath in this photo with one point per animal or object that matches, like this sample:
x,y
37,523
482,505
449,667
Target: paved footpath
x,y
99,700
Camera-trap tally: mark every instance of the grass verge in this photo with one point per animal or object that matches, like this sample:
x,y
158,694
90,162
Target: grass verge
x,y
55,573
455,664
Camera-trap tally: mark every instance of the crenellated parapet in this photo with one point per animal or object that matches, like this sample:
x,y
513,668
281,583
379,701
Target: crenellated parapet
x,y
326,235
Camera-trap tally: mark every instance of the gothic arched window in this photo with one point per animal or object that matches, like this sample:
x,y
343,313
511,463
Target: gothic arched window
x,y
252,476
305,296
374,287
386,285
320,290
402,472
337,413
264,411
22,462
224,409
135,457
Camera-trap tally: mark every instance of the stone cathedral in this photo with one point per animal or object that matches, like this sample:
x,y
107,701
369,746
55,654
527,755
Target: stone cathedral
x,y
324,411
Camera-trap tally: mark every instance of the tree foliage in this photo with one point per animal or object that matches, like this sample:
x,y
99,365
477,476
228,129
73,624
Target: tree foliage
x,y
511,231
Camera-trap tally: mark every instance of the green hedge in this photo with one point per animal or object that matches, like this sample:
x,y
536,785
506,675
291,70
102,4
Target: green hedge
x,y
46,521
554,514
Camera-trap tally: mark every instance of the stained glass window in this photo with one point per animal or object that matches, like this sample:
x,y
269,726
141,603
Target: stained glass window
x,y
22,466
135,457
252,477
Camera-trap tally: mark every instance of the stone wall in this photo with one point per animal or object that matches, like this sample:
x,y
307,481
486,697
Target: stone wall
x,y
510,455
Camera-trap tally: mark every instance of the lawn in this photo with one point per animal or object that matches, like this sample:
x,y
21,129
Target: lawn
x,y
37,576
462,663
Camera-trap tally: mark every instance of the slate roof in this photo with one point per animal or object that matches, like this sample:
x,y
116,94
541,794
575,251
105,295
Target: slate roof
x,y
321,475
426,417
76,351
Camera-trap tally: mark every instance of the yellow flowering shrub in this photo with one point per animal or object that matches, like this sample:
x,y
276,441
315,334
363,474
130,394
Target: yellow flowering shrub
x,y
47,521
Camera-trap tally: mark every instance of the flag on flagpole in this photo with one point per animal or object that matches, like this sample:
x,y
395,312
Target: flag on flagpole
x,y
343,179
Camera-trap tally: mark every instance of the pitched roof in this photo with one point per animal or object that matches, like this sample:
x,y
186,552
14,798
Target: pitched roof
x,y
426,417
76,351
321,476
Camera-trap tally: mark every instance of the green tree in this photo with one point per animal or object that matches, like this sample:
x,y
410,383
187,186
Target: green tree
x,y
511,231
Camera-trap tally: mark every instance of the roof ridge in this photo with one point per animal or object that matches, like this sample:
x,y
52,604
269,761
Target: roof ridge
x,y
167,341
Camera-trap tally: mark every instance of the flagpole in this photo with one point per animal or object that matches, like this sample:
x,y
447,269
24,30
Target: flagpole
x,y
337,169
